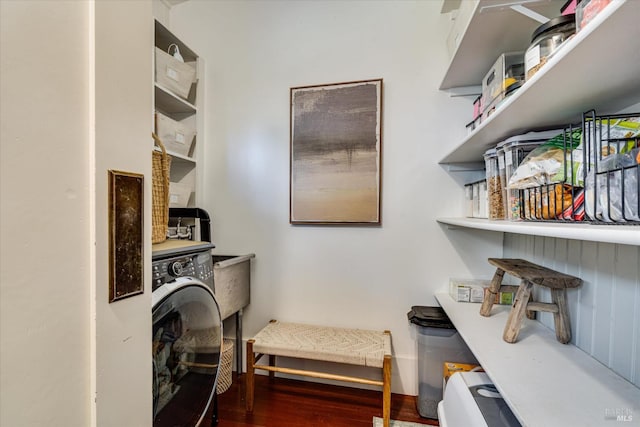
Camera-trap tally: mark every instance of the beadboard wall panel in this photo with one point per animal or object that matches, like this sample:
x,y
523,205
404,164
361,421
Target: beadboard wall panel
x,y
605,310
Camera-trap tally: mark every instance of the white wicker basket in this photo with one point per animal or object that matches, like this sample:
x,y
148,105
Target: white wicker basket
x,y
226,366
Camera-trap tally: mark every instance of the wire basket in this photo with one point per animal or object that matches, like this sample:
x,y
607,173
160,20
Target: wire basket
x,y
226,366
612,190
559,195
600,176
161,167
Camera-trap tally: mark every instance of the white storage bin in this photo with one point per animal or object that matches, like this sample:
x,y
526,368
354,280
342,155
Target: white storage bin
x,y
179,194
174,75
177,136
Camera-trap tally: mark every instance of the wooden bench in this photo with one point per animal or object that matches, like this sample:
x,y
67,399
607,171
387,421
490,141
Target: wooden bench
x,y
352,346
531,274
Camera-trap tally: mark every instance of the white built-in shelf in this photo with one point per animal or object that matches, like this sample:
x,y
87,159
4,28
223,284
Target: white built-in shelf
x,y
621,234
178,158
164,38
544,382
494,28
599,68
171,104
183,167
181,158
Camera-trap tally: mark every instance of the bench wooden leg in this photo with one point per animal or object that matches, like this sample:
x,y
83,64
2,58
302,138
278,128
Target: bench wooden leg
x,y
250,377
561,317
272,362
517,313
494,289
386,390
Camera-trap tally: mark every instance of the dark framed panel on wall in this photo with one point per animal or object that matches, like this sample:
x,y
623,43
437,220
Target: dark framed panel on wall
x,y
336,153
126,234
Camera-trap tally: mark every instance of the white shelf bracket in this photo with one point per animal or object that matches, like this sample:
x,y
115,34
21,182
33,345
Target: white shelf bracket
x,y
529,13
517,6
465,167
455,92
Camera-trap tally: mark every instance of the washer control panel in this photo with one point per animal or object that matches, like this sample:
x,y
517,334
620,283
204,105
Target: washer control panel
x,y
198,265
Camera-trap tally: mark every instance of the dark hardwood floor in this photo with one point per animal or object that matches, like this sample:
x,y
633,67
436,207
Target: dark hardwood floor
x,y
283,402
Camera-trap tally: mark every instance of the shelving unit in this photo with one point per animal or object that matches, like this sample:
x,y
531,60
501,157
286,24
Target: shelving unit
x,y
620,234
569,84
544,382
491,29
173,104
183,167
598,68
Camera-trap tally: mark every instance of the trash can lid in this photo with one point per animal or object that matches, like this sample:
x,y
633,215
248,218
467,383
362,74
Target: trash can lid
x,y
433,317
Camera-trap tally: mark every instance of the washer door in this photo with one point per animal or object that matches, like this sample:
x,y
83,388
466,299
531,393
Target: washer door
x,y
187,341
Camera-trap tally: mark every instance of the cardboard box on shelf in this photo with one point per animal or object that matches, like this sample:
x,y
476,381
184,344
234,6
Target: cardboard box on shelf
x,y
450,368
504,297
467,290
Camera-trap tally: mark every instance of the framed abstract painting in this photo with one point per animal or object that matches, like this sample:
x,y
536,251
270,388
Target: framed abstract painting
x,y
336,153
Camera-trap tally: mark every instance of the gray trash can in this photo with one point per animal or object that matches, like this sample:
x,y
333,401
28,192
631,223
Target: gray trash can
x,y
438,342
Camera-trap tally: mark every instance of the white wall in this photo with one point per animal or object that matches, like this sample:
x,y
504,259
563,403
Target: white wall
x,y
44,217
76,101
123,124
347,276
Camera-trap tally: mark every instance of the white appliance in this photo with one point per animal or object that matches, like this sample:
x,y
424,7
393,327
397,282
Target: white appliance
x,y
471,400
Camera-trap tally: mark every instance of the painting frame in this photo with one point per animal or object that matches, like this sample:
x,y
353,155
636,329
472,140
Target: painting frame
x,y
335,153
126,234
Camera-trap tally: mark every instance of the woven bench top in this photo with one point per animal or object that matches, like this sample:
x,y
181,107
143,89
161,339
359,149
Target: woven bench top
x,y
329,344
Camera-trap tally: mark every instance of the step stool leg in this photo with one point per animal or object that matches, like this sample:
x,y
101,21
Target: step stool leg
x,y
561,319
250,376
494,288
386,391
530,313
517,313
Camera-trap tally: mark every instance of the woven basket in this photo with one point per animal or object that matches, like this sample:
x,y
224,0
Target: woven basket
x,y
226,365
161,167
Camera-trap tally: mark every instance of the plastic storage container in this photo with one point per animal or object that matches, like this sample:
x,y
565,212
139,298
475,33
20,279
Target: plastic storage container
x,y
515,149
502,173
479,199
547,40
468,200
505,72
438,342
494,185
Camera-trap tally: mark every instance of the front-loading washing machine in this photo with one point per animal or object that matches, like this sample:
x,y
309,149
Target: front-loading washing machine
x,y
187,334
472,400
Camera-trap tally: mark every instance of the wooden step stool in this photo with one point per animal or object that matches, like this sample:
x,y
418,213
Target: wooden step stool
x,y
341,345
531,274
